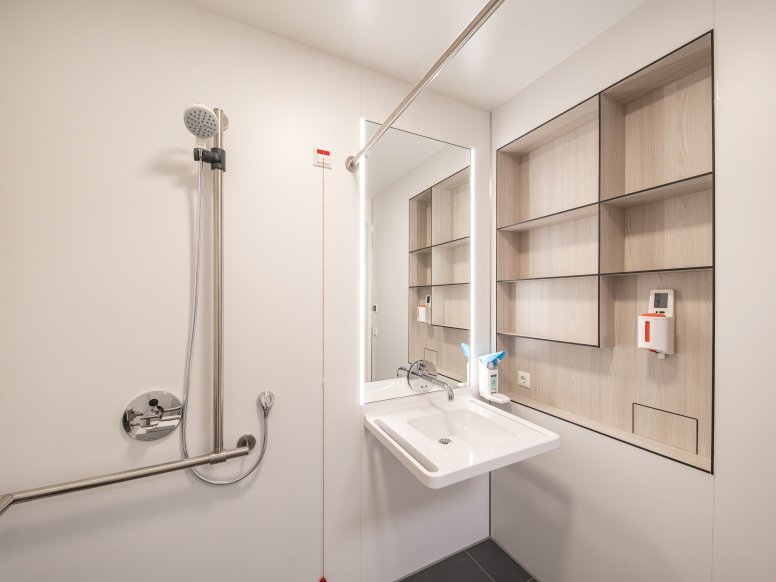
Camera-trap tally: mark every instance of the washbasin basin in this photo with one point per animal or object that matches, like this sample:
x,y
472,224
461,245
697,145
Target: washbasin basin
x,y
443,442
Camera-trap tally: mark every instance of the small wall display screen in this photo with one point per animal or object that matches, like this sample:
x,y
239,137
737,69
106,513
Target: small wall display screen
x,y
661,300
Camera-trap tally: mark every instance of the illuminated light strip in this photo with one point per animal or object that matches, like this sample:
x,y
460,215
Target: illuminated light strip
x,y
362,268
473,375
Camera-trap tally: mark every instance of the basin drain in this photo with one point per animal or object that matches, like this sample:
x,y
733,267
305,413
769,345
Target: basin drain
x,y
445,441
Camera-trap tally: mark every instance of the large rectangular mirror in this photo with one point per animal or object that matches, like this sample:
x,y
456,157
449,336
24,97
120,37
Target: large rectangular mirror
x,y
417,265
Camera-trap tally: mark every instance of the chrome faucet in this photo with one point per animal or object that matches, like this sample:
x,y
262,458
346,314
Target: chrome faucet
x,y
425,370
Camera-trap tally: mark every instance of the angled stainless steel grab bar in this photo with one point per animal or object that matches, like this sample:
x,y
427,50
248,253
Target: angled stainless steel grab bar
x,y
244,447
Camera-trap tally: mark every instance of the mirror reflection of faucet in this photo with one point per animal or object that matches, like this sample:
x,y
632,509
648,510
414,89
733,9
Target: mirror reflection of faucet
x,y
424,373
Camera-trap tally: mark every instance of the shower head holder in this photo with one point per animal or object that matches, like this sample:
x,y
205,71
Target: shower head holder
x,y
216,157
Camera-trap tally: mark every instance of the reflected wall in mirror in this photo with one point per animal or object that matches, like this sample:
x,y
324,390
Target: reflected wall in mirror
x,y
417,265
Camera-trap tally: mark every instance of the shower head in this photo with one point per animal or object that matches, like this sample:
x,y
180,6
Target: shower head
x,y
202,121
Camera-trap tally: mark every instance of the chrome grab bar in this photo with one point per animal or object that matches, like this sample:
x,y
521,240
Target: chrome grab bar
x,y
244,446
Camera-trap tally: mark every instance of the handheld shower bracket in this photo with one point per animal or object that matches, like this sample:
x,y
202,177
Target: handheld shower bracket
x,y
216,157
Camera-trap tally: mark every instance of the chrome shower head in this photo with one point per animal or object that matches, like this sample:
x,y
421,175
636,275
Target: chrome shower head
x,y
201,121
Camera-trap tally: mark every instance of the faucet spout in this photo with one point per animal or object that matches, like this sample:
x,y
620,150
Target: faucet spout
x,y
425,370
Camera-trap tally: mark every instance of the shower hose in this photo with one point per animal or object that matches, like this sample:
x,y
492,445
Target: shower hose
x,y
190,351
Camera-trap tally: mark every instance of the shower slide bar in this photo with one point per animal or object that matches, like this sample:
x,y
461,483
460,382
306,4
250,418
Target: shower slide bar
x,y
244,446
482,16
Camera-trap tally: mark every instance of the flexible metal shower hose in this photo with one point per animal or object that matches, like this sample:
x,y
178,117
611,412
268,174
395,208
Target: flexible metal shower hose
x,y
190,352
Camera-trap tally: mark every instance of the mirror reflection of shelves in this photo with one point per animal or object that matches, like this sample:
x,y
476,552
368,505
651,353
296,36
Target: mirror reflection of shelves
x,y
595,208
420,221
420,267
440,268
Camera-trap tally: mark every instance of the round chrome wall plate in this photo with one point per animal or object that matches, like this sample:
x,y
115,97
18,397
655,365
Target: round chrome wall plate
x,y
152,415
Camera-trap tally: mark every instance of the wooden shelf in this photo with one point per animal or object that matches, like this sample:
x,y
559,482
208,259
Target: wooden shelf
x,y
587,211
650,271
451,208
656,125
545,278
451,306
550,169
420,267
699,183
564,310
440,265
559,245
670,227
451,263
420,221
543,339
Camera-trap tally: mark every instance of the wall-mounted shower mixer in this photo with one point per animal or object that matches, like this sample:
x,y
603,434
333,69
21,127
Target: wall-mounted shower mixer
x,y
152,415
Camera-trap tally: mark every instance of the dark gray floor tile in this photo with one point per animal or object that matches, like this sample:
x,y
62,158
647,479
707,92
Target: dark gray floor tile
x,y
457,568
497,563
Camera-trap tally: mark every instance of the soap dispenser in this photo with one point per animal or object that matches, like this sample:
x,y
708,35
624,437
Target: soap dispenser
x,y
488,376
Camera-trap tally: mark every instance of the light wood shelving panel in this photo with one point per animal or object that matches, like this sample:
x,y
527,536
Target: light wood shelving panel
x,y
453,307
558,245
420,268
420,221
551,169
451,208
563,310
440,266
451,263
581,241
668,227
656,125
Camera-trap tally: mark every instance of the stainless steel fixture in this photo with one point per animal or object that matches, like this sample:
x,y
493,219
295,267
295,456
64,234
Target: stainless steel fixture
x,y
152,415
426,372
244,446
218,292
351,163
155,414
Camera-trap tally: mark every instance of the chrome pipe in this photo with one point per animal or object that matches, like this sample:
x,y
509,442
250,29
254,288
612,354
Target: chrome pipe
x,y
218,289
482,16
41,492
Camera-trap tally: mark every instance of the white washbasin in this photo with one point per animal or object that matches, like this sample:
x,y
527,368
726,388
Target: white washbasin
x,y
443,442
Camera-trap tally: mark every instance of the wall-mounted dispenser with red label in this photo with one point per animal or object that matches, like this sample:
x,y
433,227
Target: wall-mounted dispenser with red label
x,y
657,326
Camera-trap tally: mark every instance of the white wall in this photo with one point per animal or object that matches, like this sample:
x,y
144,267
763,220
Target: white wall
x,y
600,510
745,463
390,264
95,233
596,509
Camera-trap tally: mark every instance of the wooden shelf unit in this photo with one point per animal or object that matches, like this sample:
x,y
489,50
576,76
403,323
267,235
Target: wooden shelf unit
x,y
440,267
558,245
668,227
581,240
420,221
564,310
550,169
420,267
451,208
656,125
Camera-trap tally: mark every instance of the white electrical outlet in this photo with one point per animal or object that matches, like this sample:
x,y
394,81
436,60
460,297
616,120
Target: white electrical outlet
x,y
524,379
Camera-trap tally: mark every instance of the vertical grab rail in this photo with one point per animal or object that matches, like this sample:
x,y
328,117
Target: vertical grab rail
x,y
218,289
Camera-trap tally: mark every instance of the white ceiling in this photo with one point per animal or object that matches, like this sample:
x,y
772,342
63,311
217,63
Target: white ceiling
x,y
403,38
